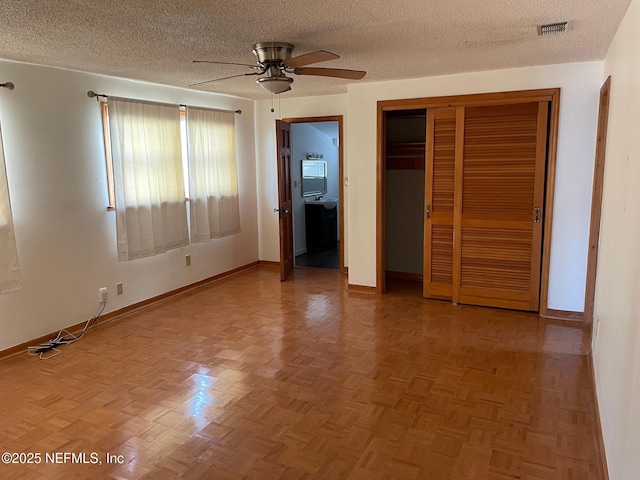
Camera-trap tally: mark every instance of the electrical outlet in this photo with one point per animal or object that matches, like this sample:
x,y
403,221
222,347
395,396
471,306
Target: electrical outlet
x,y
119,289
102,294
187,260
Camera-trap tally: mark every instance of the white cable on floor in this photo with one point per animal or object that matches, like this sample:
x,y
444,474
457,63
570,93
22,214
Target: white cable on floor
x,y
64,337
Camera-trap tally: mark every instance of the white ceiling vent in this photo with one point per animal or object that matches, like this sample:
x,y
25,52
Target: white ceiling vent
x,y
550,28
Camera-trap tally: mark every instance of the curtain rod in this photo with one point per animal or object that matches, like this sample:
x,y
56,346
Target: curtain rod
x,y
92,94
8,85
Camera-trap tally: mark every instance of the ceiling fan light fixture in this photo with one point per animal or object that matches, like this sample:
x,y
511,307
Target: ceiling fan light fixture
x,y
275,85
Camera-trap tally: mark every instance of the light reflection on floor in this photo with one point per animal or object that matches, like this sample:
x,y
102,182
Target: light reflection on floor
x,y
202,398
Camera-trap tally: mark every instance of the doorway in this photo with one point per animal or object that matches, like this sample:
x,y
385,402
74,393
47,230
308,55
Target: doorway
x,y
317,192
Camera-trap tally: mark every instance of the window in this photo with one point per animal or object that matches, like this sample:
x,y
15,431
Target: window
x,y
160,157
148,180
213,180
9,269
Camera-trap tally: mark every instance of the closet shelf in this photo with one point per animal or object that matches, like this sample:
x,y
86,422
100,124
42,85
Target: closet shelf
x,y
405,156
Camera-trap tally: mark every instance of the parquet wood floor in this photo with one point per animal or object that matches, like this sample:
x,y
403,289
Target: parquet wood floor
x,y
251,378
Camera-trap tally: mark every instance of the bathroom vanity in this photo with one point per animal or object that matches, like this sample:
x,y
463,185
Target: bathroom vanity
x,y
321,224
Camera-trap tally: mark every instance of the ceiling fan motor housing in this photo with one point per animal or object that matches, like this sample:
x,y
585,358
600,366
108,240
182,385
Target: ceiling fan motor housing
x,y
272,52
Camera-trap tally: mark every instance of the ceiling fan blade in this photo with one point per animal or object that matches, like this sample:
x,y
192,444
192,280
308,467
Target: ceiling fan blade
x,y
331,72
229,63
224,78
309,58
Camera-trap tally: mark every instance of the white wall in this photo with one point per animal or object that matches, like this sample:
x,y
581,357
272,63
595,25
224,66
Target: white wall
x,y
580,83
329,105
65,236
306,138
616,349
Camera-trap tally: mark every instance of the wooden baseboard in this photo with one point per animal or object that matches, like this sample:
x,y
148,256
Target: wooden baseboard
x,y
602,457
414,277
18,349
266,263
564,315
351,288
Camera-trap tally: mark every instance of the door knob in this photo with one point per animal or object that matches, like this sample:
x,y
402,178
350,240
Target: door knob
x,y
281,211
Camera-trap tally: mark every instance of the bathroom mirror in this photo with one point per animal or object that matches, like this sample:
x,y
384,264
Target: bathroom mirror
x,y
314,177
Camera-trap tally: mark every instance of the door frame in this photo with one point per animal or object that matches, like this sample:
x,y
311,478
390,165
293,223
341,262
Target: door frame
x,y
552,95
596,201
340,120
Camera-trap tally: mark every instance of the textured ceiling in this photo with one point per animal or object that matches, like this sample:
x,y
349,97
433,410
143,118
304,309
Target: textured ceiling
x,y
155,40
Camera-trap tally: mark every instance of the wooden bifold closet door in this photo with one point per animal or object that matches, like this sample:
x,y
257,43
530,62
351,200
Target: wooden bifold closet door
x,y
484,197
439,200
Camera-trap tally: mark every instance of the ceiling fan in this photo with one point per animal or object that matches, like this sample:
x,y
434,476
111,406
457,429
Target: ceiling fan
x,y
275,61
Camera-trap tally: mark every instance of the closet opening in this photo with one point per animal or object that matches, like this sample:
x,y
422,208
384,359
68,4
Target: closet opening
x,y
484,201
405,139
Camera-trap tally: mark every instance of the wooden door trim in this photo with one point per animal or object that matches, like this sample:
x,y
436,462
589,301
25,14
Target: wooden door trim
x,y
596,201
551,95
340,120
381,189
471,100
552,150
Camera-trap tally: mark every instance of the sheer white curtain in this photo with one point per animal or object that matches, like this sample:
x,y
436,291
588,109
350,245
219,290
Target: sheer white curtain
x,y
9,269
213,174
151,216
